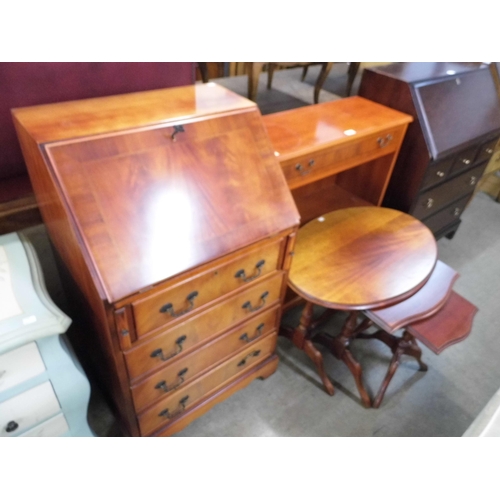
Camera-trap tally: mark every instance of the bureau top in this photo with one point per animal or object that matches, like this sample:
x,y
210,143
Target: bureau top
x,y
311,128
155,184
67,120
412,72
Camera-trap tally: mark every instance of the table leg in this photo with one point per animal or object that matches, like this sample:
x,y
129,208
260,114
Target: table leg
x,y
339,346
301,337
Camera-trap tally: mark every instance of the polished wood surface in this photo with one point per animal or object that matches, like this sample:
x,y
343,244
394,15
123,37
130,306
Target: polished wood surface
x,y
173,218
311,128
355,259
435,315
430,298
334,151
59,121
129,191
452,324
360,258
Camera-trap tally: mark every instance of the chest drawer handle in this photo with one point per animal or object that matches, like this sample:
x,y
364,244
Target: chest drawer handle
x,y
251,355
177,129
429,203
472,180
439,173
302,170
456,212
258,269
158,353
383,141
11,426
465,161
169,308
247,305
182,406
489,151
162,386
245,337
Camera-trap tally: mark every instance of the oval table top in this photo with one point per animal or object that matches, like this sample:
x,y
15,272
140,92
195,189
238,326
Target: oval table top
x,y
362,258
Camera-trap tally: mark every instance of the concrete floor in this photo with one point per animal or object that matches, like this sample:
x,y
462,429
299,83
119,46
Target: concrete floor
x,y
440,402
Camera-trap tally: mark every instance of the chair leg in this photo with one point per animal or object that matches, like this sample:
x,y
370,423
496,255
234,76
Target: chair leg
x,y
253,70
325,69
270,73
352,71
304,72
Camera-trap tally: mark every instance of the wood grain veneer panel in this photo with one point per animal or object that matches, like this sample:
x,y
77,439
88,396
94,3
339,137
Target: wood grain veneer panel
x,y
131,193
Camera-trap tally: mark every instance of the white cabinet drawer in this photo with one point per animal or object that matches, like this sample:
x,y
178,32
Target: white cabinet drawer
x,y
28,409
54,427
20,365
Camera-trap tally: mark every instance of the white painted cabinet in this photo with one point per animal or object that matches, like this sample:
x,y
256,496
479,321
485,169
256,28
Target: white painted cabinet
x,y
43,390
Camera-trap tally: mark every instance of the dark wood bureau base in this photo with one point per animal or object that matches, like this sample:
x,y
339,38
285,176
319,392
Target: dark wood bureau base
x,y
456,112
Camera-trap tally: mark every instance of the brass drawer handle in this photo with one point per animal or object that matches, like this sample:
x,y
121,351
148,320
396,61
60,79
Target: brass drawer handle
x,y
472,180
182,406
383,141
169,308
158,353
163,384
465,161
429,203
440,173
456,212
245,337
251,355
241,273
489,151
247,305
302,170
177,129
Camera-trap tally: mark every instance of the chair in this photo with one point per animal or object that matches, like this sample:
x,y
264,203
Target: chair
x,y
255,68
435,315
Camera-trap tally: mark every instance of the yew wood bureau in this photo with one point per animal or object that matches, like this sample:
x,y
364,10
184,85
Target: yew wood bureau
x,y
174,223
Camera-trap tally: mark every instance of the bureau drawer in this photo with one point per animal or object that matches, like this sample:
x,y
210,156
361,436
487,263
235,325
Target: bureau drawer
x,y
175,404
27,409
19,365
180,371
159,309
447,215
54,427
329,161
436,172
486,150
200,328
434,200
464,160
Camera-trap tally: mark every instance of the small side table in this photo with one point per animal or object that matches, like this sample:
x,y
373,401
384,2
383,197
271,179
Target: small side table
x,y
43,390
356,259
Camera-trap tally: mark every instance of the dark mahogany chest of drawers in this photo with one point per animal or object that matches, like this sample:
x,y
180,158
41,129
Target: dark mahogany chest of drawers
x,y
456,111
173,219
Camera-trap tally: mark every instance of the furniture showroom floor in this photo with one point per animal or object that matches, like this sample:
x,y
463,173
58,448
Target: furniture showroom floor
x,y
440,402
